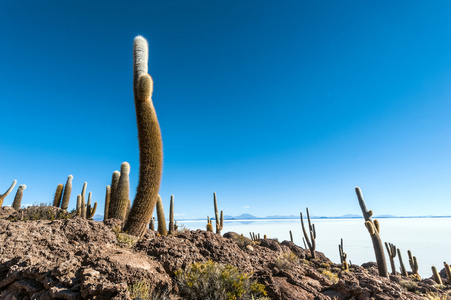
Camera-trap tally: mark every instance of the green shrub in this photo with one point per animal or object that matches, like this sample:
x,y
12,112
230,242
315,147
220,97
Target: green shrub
x,y
42,211
286,260
409,285
123,238
141,290
332,276
214,281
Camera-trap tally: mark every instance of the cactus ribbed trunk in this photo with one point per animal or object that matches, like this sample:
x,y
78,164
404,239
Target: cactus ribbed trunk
x,y
67,192
3,196
107,202
120,198
150,144
401,263
374,233
114,184
18,198
171,215
161,220
58,195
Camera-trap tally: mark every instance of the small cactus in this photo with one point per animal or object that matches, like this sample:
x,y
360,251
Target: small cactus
x,y
171,216
374,229
67,192
343,257
150,143
83,200
413,263
436,276
3,196
152,224
119,201
107,202
391,250
90,211
18,198
209,225
291,236
310,242
58,195
79,205
161,220
448,272
401,263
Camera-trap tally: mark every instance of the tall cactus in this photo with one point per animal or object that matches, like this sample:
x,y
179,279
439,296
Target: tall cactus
x,y
3,196
119,202
78,208
373,229
107,202
219,220
310,242
343,256
58,195
67,192
391,250
83,200
114,184
150,143
171,216
401,263
436,276
90,210
413,262
161,220
18,198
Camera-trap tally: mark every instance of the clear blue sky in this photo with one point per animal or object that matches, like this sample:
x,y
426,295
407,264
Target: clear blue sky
x,y
274,106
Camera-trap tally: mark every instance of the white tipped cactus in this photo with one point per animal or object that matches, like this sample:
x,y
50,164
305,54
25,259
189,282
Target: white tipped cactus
x,y
18,199
3,196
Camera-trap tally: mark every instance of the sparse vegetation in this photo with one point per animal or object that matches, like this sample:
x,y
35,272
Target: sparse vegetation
x,y
212,280
42,211
123,238
409,285
330,275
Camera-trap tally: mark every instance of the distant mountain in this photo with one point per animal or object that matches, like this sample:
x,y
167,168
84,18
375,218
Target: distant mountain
x,y
385,216
241,217
350,216
98,217
282,217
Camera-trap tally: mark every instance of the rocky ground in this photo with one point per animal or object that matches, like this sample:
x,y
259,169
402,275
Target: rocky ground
x,y
82,259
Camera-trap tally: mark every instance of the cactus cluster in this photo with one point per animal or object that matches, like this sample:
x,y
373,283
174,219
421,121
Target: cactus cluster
x,y
343,256
413,264
209,225
219,220
391,250
310,243
85,210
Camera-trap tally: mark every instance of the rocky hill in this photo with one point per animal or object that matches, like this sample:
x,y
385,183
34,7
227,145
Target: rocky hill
x,y
76,258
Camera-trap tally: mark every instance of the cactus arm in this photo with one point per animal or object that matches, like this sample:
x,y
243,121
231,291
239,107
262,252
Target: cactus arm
x,y
150,144
82,207
58,195
221,218
373,229
218,230
3,196
92,211
171,215
66,193
161,220
18,198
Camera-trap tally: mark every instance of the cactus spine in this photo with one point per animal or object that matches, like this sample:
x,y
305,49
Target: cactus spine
x,y
3,196
436,276
343,256
107,202
391,250
310,242
66,194
150,143
58,195
18,197
401,263
90,211
448,272
171,216
413,264
119,202
161,220
373,229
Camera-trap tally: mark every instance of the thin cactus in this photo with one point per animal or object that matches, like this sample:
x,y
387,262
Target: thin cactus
x,y
83,200
171,216
310,242
448,272
67,192
150,143
79,205
343,256
161,220
176,227
436,276
120,199
401,263
114,183
3,196
374,229
58,195
413,263
219,220
391,250
209,225
18,198
291,236
90,211
107,202
152,224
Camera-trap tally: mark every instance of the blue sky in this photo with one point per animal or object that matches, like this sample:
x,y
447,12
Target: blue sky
x,y
273,106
